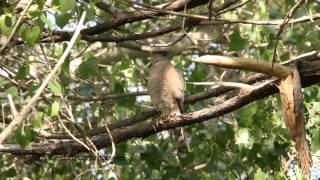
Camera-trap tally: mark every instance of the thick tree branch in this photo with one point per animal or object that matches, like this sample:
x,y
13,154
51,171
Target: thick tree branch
x,y
131,37
58,36
190,99
144,129
122,19
249,64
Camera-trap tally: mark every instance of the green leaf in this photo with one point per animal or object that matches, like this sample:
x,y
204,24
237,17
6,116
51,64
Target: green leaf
x,y
63,19
243,138
23,72
127,102
38,121
237,42
3,82
55,87
260,175
5,24
124,64
24,136
152,157
66,6
89,68
171,172
54,110
41,3
315,143
34,10
46,21
86,90
32,35
13,91
188,159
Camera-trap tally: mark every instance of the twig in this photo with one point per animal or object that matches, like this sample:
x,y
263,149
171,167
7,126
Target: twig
x,y
25,111
87,141
12,106
72,136
210,9
282,25
15,28
113,145
234,7
224,84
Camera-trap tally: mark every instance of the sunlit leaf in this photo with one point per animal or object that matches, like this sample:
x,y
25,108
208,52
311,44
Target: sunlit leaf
x,y
66,6
32,35
54,109
12,90
38,121
55,87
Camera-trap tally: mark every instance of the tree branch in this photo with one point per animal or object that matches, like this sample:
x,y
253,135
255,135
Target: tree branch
x,y
144,129
106,97
190,99
139,16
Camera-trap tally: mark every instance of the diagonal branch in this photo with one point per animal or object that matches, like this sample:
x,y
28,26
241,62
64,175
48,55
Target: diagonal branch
x,y
25,111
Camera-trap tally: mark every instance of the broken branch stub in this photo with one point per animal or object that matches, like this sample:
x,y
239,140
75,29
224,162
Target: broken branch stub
x,y
290,92
292,107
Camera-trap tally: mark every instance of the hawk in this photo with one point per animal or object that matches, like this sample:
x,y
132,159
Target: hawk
x,y
166,89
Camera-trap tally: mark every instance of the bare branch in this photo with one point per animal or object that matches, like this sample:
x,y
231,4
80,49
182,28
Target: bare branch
x,y
282,25
110,9
130,37
107,97
138,16
250,64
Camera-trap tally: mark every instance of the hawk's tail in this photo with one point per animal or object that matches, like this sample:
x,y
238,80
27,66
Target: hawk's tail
x,y
178,132
181,141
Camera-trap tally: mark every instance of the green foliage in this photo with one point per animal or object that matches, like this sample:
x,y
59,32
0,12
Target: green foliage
x,y
55,87
31,35
6,23
89,68
66,6
13,91
54,110
23,72
24,136
237,42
